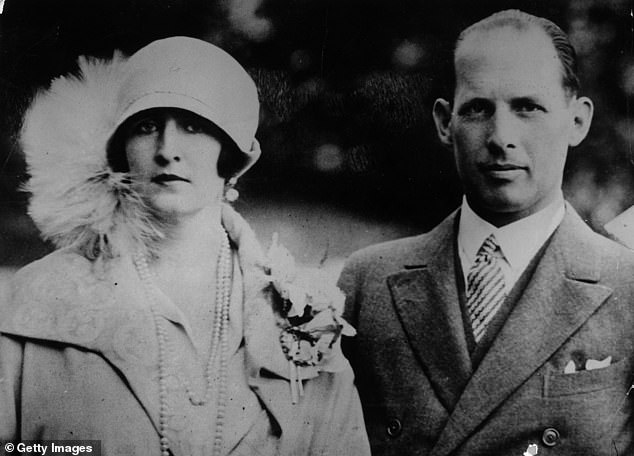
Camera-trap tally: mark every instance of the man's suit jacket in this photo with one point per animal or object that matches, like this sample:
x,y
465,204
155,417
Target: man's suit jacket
x,y
422,396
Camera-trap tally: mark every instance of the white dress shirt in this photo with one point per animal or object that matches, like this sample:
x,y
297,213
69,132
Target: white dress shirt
x,y
519,241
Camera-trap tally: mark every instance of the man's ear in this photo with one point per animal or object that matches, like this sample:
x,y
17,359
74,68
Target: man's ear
x,y
582,111
442,119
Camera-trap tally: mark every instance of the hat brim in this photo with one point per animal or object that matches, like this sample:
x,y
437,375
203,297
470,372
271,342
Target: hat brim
x,y
246,143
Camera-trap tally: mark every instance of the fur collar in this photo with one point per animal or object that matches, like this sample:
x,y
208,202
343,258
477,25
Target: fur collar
x,y
77,199
63,298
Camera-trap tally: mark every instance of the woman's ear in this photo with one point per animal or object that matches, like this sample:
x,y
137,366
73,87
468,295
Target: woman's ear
x,y
582,110
442,119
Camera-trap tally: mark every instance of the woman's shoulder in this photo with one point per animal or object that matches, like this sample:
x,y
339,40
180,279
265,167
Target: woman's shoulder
x,y
47,296
58,274
58,264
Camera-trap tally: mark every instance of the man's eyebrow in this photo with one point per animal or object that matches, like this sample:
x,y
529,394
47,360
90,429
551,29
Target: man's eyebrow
x,y
529,97
475,99
472,101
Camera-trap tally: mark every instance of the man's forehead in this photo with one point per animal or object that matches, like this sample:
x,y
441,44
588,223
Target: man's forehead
x,y
505,41
508,54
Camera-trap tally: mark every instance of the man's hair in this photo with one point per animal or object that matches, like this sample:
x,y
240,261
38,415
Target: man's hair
x,y
523,21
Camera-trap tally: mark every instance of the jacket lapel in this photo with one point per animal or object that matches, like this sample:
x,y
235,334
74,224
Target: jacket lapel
x,y
560,297
102,308
105,315
425,297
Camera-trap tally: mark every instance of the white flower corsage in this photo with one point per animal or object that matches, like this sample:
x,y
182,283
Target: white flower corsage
x,y
309,314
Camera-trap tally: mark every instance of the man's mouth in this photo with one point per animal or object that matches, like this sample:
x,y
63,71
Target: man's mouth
x,y
504,171
165,178
502,167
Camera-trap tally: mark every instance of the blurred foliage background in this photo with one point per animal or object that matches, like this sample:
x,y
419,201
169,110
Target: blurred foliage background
x,y
346,86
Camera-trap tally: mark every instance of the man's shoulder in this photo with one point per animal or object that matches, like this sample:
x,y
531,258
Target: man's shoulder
x,y
396,250
365,270
396,254
617,259
585,248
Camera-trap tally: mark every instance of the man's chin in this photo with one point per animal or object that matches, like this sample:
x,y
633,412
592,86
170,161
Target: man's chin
x,y
502,209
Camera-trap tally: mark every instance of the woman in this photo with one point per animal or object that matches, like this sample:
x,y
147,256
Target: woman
x,y
158,325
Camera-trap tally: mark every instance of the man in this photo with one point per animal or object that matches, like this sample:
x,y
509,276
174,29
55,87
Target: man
x,y
509,328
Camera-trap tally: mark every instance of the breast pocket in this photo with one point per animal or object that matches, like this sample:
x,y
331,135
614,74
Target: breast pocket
x,y
616,376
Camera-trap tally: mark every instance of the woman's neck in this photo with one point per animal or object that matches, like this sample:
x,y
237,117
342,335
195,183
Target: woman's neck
x,y
191,241
186,267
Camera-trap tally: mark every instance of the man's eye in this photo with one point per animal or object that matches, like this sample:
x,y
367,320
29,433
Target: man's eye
x,y
476,108
528,107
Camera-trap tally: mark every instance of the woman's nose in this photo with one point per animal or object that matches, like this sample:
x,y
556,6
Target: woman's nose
x,y
169,148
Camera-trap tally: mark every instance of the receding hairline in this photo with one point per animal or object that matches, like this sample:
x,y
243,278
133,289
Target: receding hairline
x,y
530,41
515,19
527,32
526,23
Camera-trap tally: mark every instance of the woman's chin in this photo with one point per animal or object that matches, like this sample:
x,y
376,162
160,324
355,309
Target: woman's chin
x,y
173,208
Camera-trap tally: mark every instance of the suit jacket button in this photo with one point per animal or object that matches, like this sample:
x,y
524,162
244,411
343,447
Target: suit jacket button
x,y
394,427
550,437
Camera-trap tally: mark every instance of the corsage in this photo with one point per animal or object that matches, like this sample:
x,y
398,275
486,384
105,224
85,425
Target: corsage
x,y
309,308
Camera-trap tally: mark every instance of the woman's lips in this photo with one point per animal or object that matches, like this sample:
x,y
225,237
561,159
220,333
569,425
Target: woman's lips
x,y
166,178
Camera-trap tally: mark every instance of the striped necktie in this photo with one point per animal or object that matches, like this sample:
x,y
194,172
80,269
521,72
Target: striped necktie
x,y
485,286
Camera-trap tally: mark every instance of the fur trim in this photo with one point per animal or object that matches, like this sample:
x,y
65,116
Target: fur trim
x,y
77,199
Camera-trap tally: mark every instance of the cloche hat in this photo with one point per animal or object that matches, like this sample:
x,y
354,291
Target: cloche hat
x,y
191,74
77,198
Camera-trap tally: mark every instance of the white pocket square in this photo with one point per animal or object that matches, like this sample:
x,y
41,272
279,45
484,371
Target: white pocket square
x,y
591,364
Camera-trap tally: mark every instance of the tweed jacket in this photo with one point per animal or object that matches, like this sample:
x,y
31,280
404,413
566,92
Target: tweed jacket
x,y
75,343
422,396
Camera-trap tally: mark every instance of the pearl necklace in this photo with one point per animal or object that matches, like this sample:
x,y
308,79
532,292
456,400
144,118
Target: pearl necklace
x,y
219,345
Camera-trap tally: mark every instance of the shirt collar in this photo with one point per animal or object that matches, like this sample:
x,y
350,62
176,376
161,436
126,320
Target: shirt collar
x,y
518,240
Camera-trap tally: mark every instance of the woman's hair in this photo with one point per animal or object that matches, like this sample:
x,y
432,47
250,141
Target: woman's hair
x,y
230,161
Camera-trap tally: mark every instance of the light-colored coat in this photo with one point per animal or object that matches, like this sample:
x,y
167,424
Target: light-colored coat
x,y
422,396
75,341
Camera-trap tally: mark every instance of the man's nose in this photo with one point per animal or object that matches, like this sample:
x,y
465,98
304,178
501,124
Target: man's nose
x,y
169,148
503,130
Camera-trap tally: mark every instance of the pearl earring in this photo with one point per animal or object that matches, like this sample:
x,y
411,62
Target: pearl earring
x,y
231,194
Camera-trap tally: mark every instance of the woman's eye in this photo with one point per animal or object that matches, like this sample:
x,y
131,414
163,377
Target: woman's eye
x,y
194,127
146,127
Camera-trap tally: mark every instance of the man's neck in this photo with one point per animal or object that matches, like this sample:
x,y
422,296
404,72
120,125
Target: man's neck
x,y
502,218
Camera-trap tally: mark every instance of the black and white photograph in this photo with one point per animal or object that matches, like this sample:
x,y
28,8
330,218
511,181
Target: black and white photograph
x,y
316,227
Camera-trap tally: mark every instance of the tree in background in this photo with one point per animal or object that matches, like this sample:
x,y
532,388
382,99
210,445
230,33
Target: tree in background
x,y
346,88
